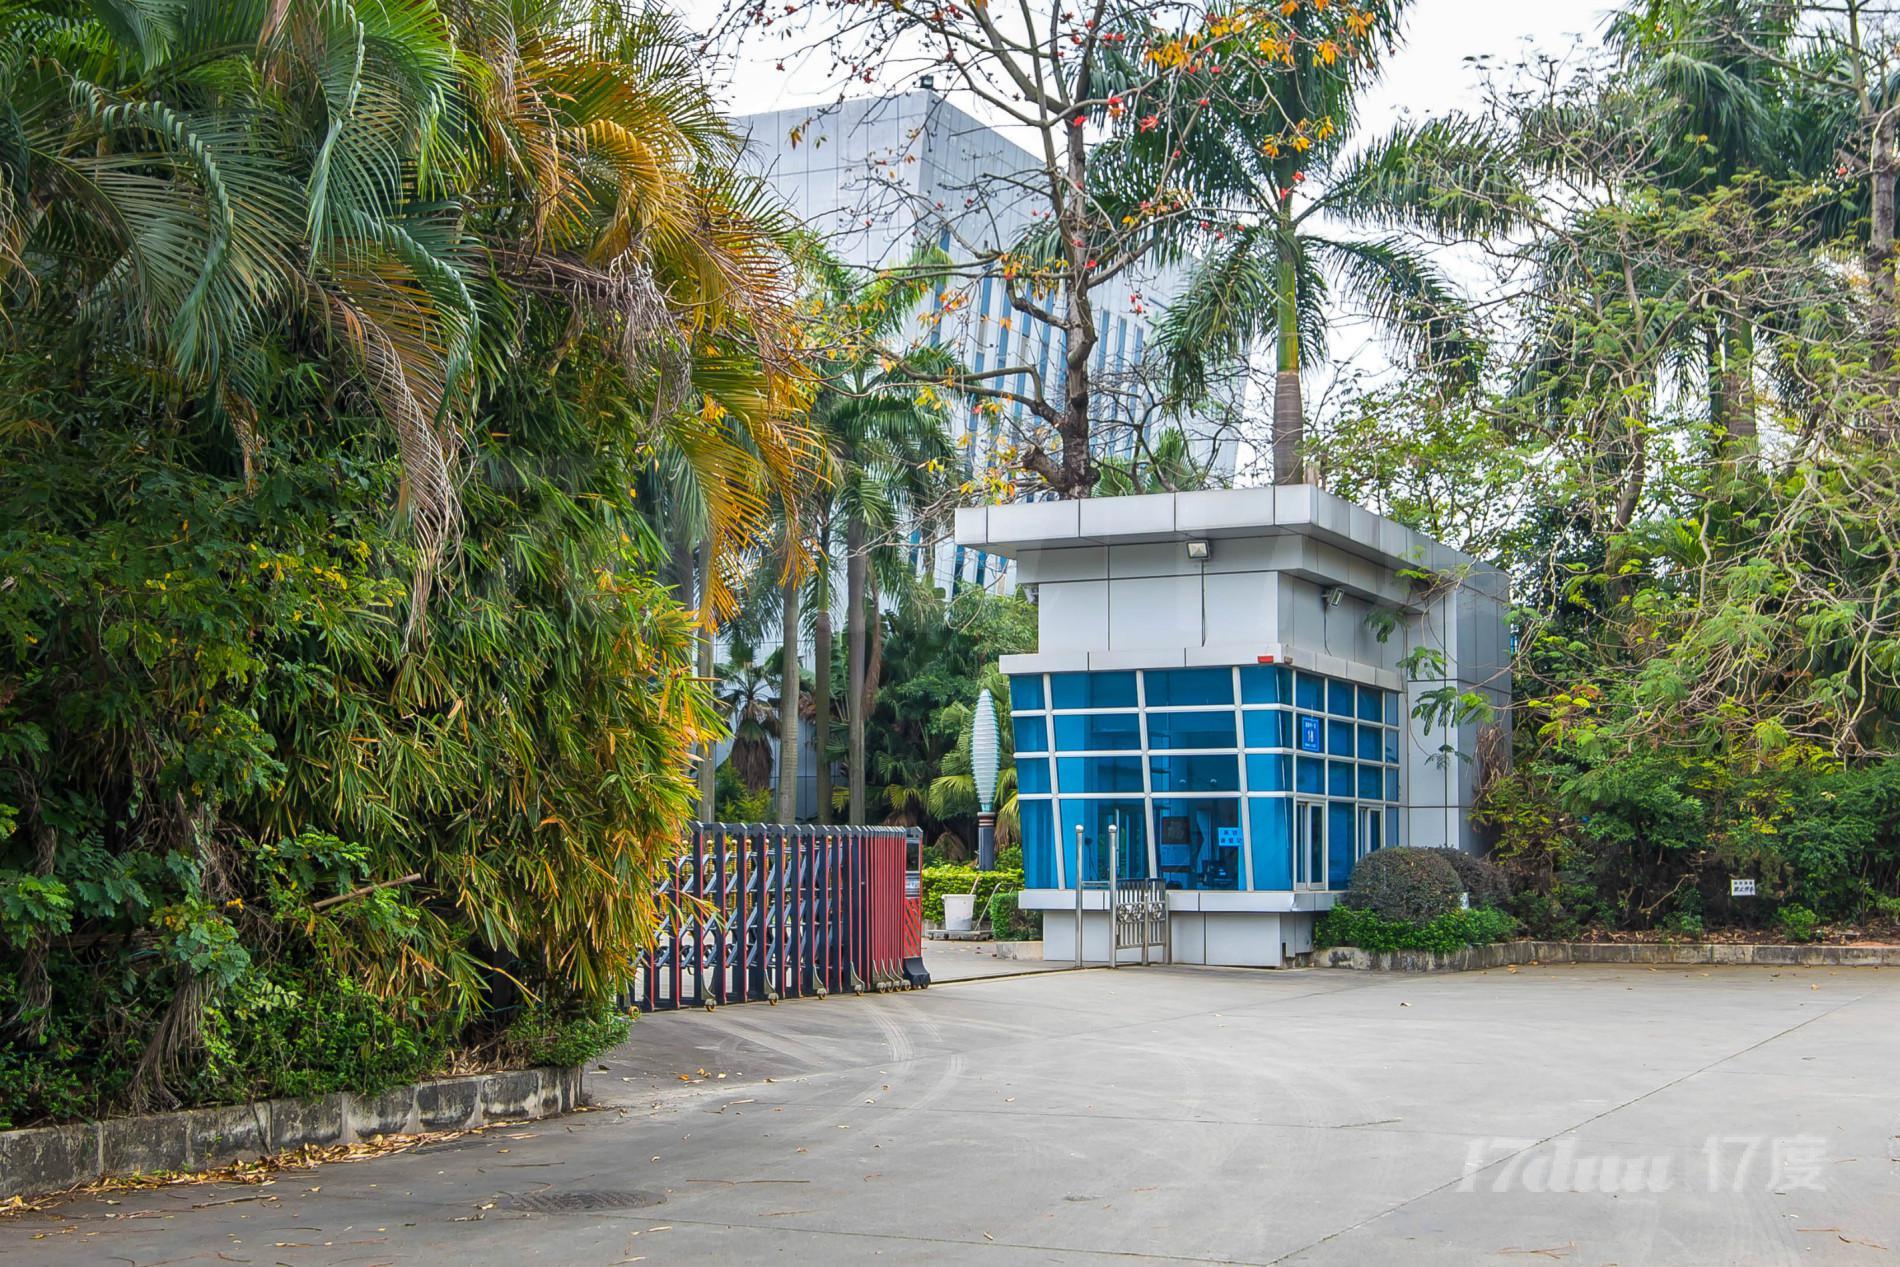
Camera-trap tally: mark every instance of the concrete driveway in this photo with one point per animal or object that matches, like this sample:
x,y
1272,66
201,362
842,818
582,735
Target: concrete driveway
x,y
1568,1114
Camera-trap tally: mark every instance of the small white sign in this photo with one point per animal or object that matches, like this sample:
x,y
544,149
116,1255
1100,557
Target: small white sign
x,y
1741,888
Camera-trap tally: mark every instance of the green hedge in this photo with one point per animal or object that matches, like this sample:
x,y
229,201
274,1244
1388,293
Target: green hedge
x,y
938,881
1009,923
1453,930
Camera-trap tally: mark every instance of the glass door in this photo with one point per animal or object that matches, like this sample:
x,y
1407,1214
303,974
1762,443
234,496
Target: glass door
x,y
1309,845
1371,829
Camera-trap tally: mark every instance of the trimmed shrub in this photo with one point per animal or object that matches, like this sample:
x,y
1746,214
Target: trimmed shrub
x,y
1453,930
1009,923
1485,882
1404,884
954,878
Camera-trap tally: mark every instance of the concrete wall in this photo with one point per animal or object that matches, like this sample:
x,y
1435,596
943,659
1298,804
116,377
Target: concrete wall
x,y
1236,939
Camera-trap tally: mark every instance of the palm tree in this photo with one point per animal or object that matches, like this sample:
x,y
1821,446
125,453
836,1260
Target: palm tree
x,y
1294,196
1166,466
886,454
752,706
191,187
1708,74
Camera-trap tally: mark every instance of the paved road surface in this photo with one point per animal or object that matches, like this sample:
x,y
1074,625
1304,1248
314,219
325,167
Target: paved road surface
x,y
967,960
1581,1115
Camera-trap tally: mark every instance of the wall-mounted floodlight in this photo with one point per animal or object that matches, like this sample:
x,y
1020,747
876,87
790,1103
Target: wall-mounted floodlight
x,y
1197,551
1332,594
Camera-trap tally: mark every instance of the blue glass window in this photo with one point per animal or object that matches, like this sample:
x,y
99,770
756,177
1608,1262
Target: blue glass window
x,y
1310,692
1025,692
1190,730
1371,704
1391,745
1391,785
1092,690
1311,775
1037,819
1391,708
1179,688
1208,773
1372,832
1104,732
1269,774
1339,698
1264,684
1370,747
1268,728
1032,775
1372,782
1131,837
1031,733
1339,778
1198,842
1099,774
1339,844
1339,738
1271,818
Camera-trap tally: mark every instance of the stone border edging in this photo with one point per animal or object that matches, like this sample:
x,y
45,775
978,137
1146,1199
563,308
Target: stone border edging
x,y
1511,953
46,1159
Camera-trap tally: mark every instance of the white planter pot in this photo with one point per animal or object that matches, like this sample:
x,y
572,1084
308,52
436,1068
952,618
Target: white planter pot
x,y
958,911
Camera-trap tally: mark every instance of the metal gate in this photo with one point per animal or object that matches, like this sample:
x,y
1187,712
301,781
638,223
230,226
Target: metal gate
x,y
1138,912
1137,908
764,911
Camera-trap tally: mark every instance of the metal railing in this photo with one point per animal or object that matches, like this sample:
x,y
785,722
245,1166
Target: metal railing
x,y
1137,908
756,912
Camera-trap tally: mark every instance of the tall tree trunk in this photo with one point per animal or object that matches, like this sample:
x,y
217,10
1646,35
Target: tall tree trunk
x,y
1635,476
854,668
821,693
1880,264
1738,388
707,808
874,636
1074,471
788,692
1717,374
1289,410
1882,161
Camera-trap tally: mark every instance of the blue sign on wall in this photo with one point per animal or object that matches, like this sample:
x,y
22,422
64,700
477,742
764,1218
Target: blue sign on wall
x,y
1310,740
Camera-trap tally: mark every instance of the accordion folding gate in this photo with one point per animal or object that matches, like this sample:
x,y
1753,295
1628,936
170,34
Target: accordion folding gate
x,y
763,911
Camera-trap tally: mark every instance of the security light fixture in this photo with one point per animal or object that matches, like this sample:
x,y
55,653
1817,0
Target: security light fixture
x,y
1197,550
1332,595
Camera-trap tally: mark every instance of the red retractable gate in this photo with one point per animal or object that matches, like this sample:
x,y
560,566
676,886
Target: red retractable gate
x,y
762,911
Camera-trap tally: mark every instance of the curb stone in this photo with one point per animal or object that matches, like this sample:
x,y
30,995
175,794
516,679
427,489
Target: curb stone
x,y
1510,953
52,1158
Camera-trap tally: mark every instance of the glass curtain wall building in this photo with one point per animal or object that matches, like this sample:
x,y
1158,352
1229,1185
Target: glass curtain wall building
x,y
875,177
1250,777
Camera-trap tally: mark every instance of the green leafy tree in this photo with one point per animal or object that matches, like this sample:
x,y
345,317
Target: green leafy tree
x,y
343,353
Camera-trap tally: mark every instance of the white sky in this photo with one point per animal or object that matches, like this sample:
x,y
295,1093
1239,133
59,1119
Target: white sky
x,y
1431,74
